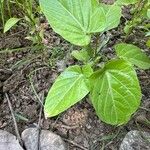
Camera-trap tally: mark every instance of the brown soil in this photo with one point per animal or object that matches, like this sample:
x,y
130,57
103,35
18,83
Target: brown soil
x,y
27,76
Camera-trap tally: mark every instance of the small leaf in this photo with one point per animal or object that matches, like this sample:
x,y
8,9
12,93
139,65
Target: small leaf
x,y
81,55
133,54
20,117
87,70
10,23
116,94
128,29
69,88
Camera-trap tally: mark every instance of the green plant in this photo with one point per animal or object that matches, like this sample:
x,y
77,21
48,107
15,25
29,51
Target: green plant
x,y
31,11
10,23
139,13
4,11
28,16
113,86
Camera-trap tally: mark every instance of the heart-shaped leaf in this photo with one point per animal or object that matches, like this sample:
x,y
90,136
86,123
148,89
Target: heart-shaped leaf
x,y
133,54
81,55
76,20
69,88
116,94
73,19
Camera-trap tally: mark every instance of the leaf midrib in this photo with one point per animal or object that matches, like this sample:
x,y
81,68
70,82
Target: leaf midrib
x,y
76,20
111,93
80,76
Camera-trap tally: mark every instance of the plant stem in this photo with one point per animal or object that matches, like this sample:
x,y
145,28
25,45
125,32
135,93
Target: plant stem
x,y
2,12
88,48
137,14
8,7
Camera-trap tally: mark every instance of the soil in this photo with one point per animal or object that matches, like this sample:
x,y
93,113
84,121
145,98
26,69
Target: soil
x,y
26,76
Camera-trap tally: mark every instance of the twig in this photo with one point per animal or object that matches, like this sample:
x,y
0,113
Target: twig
x,y
68,127
33,88
52,127
75,144
39,122
14,119
40,116
64,126
39,128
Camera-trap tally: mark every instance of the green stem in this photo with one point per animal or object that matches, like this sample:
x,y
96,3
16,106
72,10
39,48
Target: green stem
x,y
8,7
88,48
2,13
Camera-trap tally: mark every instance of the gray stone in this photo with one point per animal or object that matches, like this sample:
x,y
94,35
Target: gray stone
x,y
51,141
46,141
136,140
30,138
9,141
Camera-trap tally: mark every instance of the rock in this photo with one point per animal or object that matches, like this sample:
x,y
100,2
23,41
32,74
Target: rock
x,y
47,139
136,140
8,141
51,141
30,138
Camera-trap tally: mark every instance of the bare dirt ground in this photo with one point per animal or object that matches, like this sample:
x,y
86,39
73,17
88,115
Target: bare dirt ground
x,y
27,74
